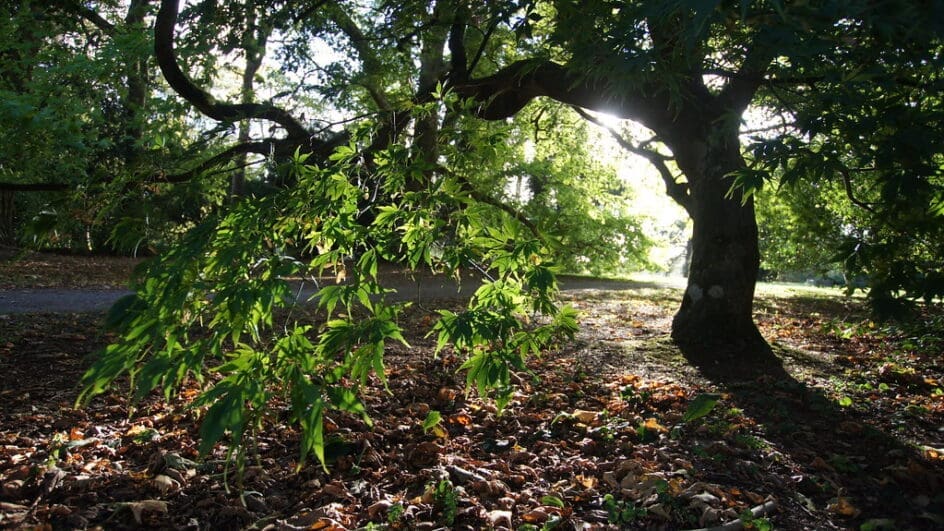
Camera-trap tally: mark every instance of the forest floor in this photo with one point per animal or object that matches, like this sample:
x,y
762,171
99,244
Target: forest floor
x,y
839,426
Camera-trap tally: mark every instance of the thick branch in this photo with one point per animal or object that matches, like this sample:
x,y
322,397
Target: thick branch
x,y
203,101
459,67
679,192
740,90
505,93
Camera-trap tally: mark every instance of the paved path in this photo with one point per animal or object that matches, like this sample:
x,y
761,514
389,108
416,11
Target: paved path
x,y
55,300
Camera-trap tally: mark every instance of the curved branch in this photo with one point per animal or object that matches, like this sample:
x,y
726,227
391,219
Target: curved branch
x,y
506,92
847,184
203,101
86,13
679,192
484,198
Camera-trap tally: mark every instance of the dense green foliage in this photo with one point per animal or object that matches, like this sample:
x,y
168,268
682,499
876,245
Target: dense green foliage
x,y
860,165
69,102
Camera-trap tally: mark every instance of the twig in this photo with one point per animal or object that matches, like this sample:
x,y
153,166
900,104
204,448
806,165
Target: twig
x,y
763,509
674,189
847,183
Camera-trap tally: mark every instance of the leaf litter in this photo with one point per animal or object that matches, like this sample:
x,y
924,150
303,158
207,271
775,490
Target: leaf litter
x,y
614,430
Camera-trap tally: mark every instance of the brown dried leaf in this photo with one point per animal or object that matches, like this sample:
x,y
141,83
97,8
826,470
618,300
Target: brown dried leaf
x,y
536,516
843,507
138,508
587,417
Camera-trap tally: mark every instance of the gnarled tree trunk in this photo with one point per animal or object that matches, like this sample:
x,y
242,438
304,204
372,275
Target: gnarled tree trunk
x,y
717,304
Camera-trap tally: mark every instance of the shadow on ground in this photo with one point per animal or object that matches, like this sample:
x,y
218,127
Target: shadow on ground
x,y
846,464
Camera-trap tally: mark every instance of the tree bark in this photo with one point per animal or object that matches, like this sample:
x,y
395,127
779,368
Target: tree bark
x,y
137,85
7,217
718,301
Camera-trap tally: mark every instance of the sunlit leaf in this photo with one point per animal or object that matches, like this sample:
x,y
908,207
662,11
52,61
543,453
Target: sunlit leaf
x,y
700,406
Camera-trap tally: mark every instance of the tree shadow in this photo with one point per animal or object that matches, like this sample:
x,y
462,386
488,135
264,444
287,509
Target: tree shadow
x,y
840,451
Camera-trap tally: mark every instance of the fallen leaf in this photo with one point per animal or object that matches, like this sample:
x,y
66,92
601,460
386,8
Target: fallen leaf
x,y
497,518
461,418
843,507
820,464
12,507
701,406
164,483
535,516
587,482
140,507
587,417
653,425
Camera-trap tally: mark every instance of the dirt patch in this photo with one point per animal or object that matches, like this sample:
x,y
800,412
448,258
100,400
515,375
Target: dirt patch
x,y
27,269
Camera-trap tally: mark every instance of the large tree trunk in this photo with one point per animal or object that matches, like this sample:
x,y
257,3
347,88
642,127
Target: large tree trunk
x,y
717,305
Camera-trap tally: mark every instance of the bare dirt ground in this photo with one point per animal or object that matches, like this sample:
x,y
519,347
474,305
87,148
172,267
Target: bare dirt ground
x,y
837,427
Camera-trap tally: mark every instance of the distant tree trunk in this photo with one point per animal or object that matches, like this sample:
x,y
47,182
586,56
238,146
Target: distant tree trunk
x,y
7,217
136,84
717,304
254,47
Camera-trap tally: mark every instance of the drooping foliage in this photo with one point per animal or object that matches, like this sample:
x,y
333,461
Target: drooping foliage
x,y
862,113
211,300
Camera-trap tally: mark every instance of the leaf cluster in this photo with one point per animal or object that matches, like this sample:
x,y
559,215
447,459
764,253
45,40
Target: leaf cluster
x,y
216,309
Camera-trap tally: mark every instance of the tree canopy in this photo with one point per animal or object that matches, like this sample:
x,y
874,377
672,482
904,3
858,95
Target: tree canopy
x,y
394,131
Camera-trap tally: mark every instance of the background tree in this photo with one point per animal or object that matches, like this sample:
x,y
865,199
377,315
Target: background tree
x,y
81,100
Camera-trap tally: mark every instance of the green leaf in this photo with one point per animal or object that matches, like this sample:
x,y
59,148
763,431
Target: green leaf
x,y
552,501
123,310
701,406
433,418
225,415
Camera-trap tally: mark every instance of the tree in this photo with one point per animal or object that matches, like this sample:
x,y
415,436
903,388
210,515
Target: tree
x,y
408,173
688,72
81,100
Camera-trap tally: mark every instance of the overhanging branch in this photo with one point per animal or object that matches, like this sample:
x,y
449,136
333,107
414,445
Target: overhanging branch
x,y
483,198
506,92
203,101
224,157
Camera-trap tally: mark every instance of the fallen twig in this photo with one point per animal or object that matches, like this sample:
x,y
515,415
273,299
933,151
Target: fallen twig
x,y
736,525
